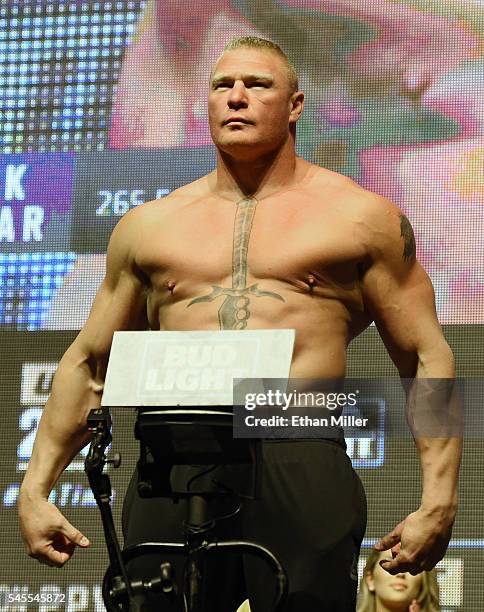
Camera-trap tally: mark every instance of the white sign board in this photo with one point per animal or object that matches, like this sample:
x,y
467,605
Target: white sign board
x,y
192,368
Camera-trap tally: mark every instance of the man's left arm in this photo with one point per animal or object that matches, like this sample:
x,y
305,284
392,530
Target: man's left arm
x,y
400,297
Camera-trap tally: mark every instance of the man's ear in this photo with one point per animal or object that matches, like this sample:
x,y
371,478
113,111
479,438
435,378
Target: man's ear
x,y
370,583
297,106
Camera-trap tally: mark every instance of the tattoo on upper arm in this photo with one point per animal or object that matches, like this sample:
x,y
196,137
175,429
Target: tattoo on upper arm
x,y
235,309
406,232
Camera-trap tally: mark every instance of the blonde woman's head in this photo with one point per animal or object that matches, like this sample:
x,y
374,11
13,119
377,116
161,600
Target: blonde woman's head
x,y
381,590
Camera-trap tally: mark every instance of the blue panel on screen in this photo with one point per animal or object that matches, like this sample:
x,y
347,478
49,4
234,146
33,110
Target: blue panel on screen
x,y
28,281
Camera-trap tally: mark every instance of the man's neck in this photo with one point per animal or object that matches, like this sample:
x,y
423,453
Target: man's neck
x,y
258,177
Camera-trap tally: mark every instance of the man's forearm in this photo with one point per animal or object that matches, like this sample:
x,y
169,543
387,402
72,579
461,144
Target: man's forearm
x,y
62,431
435,417
440,462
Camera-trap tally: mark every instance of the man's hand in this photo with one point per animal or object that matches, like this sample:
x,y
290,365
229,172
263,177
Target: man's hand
x,y
48,535
418,543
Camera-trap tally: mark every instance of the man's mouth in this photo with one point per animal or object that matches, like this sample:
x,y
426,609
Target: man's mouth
x,y
236,120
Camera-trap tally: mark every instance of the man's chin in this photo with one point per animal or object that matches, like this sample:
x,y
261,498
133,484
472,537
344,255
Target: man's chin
x,y
239,146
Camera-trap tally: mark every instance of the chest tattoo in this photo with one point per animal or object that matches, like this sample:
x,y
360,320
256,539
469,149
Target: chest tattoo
x,y
235,309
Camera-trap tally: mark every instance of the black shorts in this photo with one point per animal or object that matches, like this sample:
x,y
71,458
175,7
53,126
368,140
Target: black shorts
x,y
311,514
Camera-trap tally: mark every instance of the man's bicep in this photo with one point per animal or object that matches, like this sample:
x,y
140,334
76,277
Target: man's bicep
x,y
120,303
118,308
397,291
404,312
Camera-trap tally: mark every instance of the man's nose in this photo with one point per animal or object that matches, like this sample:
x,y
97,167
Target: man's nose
x,y
238,96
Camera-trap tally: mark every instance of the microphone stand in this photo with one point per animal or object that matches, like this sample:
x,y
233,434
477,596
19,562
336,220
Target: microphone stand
x,y
120,594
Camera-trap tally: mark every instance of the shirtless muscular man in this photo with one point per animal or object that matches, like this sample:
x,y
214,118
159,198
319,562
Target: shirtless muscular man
x,y
267,240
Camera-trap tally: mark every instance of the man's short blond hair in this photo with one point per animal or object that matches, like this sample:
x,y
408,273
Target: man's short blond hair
x,y
254,42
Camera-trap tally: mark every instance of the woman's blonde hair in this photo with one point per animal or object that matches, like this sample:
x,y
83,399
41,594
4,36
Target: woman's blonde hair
x,y
428,598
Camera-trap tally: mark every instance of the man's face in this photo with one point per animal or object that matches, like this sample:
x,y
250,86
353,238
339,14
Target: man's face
x,y
250,106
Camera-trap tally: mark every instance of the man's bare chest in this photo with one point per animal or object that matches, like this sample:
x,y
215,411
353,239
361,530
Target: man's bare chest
x,y
250,240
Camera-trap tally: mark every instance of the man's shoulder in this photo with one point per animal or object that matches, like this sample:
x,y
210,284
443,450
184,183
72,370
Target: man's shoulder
x,y
321,180
347,195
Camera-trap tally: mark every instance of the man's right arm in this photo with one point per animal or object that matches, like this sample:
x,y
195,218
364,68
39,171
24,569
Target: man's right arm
x,y
120,304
